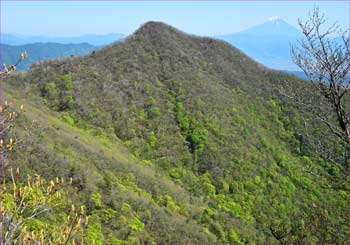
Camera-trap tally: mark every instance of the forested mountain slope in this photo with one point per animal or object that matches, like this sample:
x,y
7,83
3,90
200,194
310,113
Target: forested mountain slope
x,y
172,138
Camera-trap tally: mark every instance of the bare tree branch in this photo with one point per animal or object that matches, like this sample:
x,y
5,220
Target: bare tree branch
x,y
326,62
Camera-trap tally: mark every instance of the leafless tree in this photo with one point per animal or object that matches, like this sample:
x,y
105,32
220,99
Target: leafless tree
x,y
325,59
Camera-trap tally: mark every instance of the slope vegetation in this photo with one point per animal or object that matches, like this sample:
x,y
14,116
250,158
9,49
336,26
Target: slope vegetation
x,y
177,138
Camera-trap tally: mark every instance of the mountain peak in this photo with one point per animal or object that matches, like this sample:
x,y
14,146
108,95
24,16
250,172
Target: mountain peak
x,y
275,19
155,23
154,26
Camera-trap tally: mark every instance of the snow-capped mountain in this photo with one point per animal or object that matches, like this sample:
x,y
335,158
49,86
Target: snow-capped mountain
x,y
268,43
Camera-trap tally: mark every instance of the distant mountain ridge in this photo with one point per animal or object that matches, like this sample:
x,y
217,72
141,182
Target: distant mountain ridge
x,y
92,39
267,43
42,51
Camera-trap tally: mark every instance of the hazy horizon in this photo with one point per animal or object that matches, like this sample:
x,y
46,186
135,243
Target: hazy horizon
x,y
200,17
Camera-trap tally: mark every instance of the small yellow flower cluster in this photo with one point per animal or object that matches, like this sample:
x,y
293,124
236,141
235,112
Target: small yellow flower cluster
x,y
9,145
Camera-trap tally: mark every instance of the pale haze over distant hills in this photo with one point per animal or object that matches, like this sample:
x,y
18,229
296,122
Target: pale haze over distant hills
x,y
93,39
268,43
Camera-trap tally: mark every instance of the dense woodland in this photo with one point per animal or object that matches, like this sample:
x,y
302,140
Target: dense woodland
x,y
172,138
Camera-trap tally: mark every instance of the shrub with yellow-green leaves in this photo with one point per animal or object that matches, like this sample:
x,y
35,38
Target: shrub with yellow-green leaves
x,y
28,207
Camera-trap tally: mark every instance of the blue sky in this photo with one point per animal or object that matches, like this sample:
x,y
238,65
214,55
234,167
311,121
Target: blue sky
x,y
64,18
